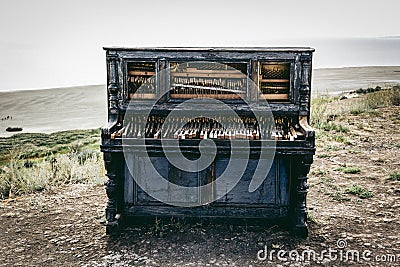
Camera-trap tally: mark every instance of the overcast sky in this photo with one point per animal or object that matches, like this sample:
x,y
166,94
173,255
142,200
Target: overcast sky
x,y
50,43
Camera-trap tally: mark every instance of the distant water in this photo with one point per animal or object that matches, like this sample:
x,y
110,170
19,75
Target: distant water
x,y
343,64
24,73
355,52
337,80
54,110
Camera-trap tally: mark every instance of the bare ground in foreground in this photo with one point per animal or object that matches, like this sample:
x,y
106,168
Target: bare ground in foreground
x,y
65,226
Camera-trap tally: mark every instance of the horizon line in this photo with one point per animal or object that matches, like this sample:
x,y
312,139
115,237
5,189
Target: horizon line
x,y
104,84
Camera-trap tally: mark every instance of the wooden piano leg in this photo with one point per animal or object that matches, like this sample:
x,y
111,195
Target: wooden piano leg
x,y
300,210
112,164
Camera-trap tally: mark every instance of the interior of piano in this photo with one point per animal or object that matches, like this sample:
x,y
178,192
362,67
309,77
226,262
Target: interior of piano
x,y
216,80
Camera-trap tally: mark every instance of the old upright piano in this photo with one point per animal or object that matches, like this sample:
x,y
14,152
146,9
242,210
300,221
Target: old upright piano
x,y
208,132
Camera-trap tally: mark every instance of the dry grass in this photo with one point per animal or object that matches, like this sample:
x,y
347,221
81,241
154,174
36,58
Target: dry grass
x,y
18,177
35,162
324,109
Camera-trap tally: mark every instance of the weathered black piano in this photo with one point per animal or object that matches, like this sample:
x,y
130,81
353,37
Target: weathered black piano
x,y
208,132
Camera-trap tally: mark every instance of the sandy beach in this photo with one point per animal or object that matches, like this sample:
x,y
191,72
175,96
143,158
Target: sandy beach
x,y
337,80
85,107
53,110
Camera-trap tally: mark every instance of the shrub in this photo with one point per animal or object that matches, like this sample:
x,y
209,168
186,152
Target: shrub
x,y
338,196
350,169
340,138
332,126
394,176
360,91
319,111
395,98
359,191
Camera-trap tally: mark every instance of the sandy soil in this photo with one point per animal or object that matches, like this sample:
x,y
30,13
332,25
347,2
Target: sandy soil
x,y
65,226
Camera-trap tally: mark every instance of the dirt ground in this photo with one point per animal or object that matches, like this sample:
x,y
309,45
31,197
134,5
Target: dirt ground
x,y
65,226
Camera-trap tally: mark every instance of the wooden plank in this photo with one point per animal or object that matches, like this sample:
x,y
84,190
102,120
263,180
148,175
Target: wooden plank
x,y
197,55
213,74
194,70
275,96
215,96
211,49
275,80
141,73
275,87
253,70
141,96
264,195
217,89
226,210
